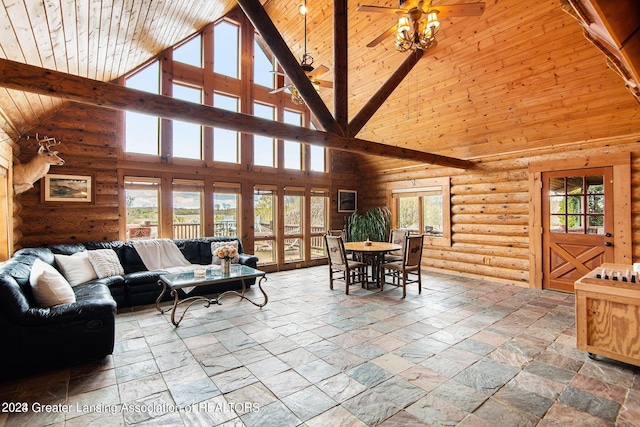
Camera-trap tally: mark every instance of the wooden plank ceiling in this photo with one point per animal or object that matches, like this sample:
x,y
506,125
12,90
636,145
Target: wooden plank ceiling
x,y
520,76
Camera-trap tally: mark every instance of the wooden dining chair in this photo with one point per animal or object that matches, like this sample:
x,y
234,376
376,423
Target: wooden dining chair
x,y
408,269
340,267
398,237
343,234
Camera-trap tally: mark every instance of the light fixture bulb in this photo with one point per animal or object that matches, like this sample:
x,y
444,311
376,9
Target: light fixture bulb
x,y
404,26
302,9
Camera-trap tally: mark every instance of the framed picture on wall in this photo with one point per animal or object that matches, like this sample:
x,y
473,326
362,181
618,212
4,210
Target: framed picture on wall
x,y
347,200
68,188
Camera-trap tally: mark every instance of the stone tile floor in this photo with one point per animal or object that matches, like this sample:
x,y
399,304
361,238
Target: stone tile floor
x,y
465,352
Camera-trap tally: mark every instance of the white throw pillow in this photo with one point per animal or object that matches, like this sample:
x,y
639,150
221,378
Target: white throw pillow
x,y
105,262
49,287
76,268
215,245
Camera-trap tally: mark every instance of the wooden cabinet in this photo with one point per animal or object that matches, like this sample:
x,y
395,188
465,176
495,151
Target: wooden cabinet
x,y
608,315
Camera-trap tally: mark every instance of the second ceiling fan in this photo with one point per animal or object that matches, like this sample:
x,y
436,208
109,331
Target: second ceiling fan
x,y
418,21
306,63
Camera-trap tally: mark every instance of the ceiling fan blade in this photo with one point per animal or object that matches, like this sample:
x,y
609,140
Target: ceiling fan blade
x,y
469,9
280,89
318,71
383,36
324,83
380,9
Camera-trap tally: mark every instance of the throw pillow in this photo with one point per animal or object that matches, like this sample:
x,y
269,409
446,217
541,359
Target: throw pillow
x,y
215,245
50,288
76,268
105,262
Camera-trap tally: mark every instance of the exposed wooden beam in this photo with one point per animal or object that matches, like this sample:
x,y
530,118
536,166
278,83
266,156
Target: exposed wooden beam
x,y
340,64
376,101
261,22
18,76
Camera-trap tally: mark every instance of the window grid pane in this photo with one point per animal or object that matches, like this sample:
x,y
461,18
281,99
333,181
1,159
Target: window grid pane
x,y
187,210
142,206
576,205
225,49
226,142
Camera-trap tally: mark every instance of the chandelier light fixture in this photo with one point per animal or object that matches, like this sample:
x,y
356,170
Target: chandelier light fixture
x,y
415,32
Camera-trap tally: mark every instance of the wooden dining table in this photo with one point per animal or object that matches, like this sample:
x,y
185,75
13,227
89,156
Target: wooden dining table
x,y
374,252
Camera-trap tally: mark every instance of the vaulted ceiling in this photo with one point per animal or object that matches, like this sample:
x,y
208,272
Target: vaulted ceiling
x,y
520,76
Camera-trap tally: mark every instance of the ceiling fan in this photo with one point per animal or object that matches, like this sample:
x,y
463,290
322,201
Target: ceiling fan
x,y
306,63
312,72
418,21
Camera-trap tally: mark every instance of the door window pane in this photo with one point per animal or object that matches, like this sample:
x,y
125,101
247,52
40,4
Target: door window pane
x,y
187,209
319,222
293,214
226,199
142,203
226,142
576,205
187,137
225,49
264,225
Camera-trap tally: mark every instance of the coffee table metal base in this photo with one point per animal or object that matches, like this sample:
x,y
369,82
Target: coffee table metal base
x,y
189,301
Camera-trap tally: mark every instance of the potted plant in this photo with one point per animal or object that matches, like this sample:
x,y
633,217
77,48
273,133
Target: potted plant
x,y
373,225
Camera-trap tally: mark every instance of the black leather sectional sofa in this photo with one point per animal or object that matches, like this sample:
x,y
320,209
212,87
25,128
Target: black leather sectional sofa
x,y
35,339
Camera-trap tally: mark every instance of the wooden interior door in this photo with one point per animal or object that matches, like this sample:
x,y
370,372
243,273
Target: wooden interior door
x,y
577,234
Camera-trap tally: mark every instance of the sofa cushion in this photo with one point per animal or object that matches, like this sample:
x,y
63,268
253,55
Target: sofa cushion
x,y
190,248
130,259
76,268
136,278
67,248
105,262
50,288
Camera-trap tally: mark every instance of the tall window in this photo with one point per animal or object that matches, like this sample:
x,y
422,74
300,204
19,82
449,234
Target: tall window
x,y
264,207
142,197
319,221
293,224
423,208
226,48
318,156
318,162
264,153
226,200
142,132
187,137
190,52
263,74
408,212
292,149
226,142
187,208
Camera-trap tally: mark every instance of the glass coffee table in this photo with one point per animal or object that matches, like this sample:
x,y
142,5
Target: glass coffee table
x,y
213,275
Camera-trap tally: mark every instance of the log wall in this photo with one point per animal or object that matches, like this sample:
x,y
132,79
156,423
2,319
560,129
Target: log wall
x,y
88,147
490,206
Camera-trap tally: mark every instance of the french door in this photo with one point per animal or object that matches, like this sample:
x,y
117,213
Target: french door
x,y
577,213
